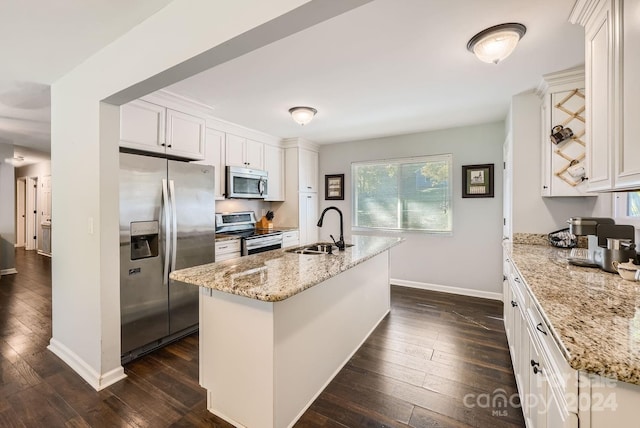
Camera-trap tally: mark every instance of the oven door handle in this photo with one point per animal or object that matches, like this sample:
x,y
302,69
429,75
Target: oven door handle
x,y
263,242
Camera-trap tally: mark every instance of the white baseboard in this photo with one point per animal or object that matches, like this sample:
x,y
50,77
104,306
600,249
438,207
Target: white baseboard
x,y
447,289
92,377
44,254
9,271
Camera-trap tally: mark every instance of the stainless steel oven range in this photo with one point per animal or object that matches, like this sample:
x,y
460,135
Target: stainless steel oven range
x,y
243,224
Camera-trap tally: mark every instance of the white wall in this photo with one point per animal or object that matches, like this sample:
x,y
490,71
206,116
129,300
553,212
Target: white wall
x,y
471,257
184,38
7,209
39,169
531,212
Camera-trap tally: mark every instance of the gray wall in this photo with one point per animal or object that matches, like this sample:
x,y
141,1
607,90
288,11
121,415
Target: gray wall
x,y
471,257
7,208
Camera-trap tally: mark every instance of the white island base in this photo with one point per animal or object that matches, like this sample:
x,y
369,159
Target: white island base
x,y
263,363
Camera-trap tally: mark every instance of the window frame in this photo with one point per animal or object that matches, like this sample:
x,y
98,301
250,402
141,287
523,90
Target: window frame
x,y
404,160
620,201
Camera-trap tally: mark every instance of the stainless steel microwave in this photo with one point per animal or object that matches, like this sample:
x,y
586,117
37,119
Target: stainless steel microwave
x,y
246,183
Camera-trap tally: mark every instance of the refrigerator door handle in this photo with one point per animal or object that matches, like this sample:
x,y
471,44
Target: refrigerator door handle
x,y
167,231
174,220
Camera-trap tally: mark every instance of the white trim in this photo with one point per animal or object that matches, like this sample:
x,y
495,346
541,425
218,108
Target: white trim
x,y
447,289
96,380
42,253
9,271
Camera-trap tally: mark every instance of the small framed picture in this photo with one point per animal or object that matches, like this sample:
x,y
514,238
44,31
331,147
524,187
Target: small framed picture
x,y
477,181
334,187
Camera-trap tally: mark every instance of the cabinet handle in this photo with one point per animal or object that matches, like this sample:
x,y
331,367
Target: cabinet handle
x,y
516,279
514,303
308,187
539,328
169,145
545,187
535,366
163,144
222,248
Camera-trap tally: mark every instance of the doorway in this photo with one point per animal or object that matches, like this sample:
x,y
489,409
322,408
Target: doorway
x,y
21,208
31,213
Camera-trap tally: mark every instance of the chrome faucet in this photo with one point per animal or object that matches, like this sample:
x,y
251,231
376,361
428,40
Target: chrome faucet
x,y
340,243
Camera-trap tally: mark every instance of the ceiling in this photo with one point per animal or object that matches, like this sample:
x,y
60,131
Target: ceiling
x,y
389,67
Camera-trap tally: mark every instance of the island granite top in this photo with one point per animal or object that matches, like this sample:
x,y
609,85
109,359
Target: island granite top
x,y
276,275
593,315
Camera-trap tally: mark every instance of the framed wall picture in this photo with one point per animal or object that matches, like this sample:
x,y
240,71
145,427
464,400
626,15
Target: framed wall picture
x,y
334,187
477,181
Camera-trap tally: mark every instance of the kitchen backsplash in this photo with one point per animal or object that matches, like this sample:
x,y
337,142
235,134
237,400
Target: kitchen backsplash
x,y
234,205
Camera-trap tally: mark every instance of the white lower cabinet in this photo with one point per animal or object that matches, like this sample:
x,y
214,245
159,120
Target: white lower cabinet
x,y
229,249
554,395
547,385
290,238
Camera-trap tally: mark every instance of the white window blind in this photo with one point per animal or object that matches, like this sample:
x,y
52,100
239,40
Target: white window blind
x,y
403,194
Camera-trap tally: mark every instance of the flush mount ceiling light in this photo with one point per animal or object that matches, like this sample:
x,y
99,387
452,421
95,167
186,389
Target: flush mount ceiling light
x,y
496,43
302,115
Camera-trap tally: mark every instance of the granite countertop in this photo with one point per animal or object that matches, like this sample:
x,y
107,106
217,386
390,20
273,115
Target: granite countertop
x,y
593,315
276,275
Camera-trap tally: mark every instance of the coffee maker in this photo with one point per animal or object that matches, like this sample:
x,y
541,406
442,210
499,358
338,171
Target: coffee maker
x,y
606,242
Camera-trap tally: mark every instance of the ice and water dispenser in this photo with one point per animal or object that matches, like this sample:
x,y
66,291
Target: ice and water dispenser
x,y
144,239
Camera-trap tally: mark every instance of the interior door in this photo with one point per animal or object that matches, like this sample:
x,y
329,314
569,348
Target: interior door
x,y
143,289
193,203
21,212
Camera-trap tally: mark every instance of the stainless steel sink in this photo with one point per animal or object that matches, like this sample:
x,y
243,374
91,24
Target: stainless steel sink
x,y
316,248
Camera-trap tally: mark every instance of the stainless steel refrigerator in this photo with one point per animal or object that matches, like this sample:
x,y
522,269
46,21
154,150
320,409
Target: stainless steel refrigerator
x,y
167,222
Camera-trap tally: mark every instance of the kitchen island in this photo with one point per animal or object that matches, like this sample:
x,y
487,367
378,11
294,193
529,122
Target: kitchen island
x,y
276,327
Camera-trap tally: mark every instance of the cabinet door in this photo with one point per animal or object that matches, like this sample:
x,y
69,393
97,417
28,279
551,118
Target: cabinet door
x,y
308,170
214,149
535,410
599,59
142,126
185,135
308,218
254,154
234,155
545,163
627,155
274,165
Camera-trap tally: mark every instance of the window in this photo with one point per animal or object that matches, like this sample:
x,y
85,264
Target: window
x,y
403,194
633,204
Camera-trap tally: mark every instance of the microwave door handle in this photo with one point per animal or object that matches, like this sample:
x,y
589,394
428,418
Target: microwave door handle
x,y
261,187
174,219
167,231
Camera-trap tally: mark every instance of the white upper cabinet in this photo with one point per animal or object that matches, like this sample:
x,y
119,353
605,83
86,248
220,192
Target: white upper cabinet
x,y
214,154
613,91
243,152
274,165
185,135
142,126
627,154
564,167
308,170
154,128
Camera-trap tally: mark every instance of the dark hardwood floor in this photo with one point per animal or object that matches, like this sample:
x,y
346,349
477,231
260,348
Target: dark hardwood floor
x,y
436,360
